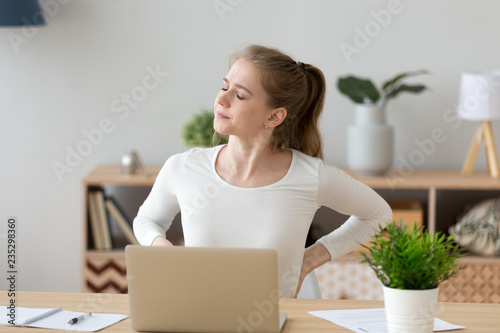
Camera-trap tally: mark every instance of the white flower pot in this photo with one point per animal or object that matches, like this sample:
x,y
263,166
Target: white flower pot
x,y
370,142
410,311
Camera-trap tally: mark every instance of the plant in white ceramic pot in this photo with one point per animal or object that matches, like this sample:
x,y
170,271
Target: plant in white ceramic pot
x,y
411,263
370,138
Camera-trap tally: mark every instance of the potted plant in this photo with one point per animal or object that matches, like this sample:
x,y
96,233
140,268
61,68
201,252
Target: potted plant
x,y
199,130
411,263
363,91
370,138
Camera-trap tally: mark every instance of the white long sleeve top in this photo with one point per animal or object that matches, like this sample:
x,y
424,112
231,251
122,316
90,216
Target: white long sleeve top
x,y
215,213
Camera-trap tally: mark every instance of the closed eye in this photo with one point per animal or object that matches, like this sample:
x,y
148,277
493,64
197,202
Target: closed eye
x,y
239,86
237,96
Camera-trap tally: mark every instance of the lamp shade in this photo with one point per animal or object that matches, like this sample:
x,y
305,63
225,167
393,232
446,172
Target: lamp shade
x,y
479,95
16,13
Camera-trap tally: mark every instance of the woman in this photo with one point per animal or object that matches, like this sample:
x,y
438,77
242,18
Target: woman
x,y
264,187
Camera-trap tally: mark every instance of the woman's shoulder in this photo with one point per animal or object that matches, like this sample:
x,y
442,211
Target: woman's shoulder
x,y
189,162
315,163
194,156
201,154
304,164
196,153
306,160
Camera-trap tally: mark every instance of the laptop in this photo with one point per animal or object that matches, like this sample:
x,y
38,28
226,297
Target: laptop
x,y
197,289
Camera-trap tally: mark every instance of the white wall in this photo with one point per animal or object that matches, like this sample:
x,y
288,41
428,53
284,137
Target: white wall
x,y
65,77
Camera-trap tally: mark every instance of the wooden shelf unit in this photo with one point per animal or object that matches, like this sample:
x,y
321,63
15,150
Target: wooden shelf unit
x,y
432,181
103,271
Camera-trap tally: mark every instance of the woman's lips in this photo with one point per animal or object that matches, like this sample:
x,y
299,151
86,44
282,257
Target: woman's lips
x,y
221,116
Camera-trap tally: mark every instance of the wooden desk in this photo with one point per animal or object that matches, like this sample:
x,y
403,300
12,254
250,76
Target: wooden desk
x,y
476,317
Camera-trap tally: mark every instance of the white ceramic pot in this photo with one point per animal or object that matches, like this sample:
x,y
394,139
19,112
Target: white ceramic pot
x,y
410,311
370,142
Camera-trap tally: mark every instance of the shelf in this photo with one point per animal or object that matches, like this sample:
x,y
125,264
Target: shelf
x,y
480,260
112,254
418,179
430,179
111,174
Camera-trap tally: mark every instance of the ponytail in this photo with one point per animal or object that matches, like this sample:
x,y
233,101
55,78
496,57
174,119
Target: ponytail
x,y
297,87
308,137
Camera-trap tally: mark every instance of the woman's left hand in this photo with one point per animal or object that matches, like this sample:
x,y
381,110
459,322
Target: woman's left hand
x,y
314,256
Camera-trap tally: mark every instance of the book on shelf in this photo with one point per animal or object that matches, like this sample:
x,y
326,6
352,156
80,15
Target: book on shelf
x,y
120,218
94,221
104,221
99,221
102,211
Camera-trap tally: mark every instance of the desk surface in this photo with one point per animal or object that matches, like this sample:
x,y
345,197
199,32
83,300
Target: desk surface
x,y
476,317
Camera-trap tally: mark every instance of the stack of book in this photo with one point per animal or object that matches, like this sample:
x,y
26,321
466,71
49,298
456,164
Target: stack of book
x,y
101,209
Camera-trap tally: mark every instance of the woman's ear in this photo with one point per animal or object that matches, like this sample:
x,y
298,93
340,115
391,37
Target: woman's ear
x,y
276,117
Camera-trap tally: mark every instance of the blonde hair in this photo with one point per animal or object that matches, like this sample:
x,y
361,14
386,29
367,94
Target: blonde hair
x,y
295,86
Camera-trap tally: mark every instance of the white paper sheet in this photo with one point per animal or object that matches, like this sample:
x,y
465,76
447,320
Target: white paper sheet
x,y
370,320
59,320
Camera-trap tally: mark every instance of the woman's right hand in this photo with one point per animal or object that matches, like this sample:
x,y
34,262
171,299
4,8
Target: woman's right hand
x,y
161,241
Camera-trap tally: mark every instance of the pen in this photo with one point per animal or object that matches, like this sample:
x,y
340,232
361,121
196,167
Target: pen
x,y
80,318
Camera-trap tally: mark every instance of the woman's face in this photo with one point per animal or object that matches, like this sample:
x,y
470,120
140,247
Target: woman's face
x,y
240,107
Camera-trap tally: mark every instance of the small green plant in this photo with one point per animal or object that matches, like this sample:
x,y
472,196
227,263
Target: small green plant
x,y
408,258
363,91
199,130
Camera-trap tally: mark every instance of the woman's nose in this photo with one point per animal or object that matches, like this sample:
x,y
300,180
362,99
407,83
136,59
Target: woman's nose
x,y
222,98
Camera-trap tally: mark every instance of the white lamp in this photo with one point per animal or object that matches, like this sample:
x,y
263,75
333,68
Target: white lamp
x,y
480,101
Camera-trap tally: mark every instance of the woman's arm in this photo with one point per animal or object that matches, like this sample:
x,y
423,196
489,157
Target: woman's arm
x,y
366,209
314,256
368,212
160,207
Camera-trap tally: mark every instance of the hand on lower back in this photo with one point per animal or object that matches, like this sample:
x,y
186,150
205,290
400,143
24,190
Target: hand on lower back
x,y
161,241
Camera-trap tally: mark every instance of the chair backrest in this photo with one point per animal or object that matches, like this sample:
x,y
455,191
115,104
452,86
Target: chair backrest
x,y
310,287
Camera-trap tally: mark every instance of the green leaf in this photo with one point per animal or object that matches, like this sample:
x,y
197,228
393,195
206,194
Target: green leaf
x,y
358,90
403,88
399,77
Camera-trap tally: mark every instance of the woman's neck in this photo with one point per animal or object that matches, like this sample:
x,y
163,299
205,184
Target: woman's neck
x,y
252,164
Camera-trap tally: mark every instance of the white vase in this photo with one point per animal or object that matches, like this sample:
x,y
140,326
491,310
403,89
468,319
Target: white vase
x,y
370,142
410,311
